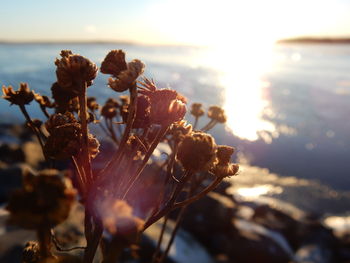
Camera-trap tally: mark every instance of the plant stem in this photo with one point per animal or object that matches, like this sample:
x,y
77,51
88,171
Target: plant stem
x,y
44,236
84,132
149,153
169,205
160,239
198,196
32,126
195,122
93,239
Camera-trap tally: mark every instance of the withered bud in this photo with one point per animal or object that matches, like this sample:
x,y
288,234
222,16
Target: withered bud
x,y
45,199
114,63
125,99
92,104
216,113
179,130
62,98
113,102
73,70
65,136
165,107
93,145
224,153
20,97
44,101
58,119
197,110
109,111
197,152
127,78
31,252
225,170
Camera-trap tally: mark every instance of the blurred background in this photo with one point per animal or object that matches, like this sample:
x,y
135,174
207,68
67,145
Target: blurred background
x,y
280,69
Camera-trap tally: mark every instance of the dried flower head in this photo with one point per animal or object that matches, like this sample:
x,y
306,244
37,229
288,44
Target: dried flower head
x,y
20,97
224,153
227,170
65,136
223,167
216,113
179,130
92,104
109,111
125,99
31,252
197,151
126,79
73,70
197,110
45,199
93,145
43,101
114,63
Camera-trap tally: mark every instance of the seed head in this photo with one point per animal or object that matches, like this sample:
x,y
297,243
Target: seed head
x,y
196,110
72,70
20,97
45,199
92,104
197,151
43,101
114,63
216,113
127,78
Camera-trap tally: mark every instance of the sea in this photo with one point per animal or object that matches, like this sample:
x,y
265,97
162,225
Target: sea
x,y
288,108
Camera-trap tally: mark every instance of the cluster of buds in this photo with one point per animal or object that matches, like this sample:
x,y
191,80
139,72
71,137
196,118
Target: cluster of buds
x,y
65,137
124,75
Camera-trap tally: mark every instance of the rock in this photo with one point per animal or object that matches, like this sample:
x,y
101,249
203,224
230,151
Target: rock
x,y
33,154
11,153
10,179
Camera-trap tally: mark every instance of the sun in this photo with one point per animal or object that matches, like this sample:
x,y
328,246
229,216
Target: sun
x,y
241,35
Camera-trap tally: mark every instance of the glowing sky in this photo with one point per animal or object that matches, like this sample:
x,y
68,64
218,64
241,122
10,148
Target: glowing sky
x,y
172,21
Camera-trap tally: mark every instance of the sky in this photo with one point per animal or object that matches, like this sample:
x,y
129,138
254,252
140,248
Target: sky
x,y
200,22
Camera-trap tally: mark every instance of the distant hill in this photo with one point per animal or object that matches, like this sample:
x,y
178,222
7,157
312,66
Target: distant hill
x,y
315,40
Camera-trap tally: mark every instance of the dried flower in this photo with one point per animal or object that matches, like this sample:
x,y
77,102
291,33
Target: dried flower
x,y
216,113
109,111
114,63
224,153
93,145
31,252
127,78
73,70
43,101
179,130
63,98
197,110
20,97
65,136
45,199
223,168
92,104
165,107
197,151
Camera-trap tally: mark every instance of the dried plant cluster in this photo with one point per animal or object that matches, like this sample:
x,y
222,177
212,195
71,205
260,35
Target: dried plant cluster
x,y
136,124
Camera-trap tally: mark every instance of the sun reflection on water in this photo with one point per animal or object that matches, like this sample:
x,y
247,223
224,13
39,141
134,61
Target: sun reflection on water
x,y
245,96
